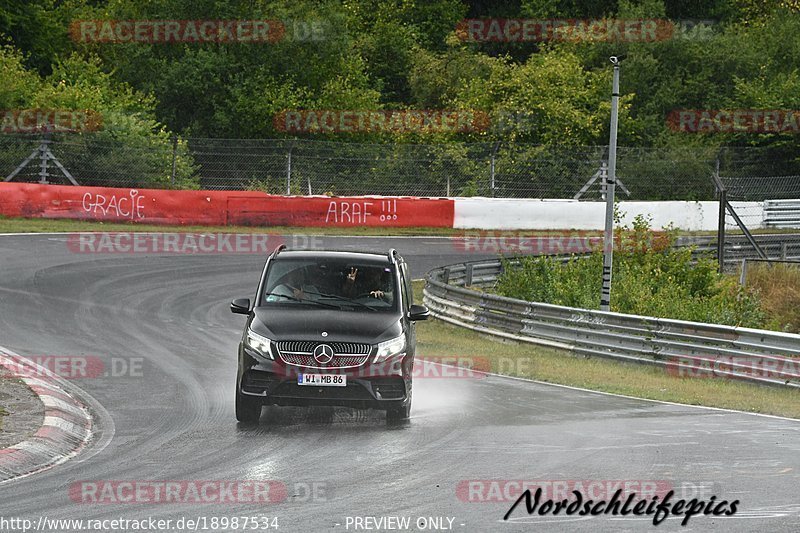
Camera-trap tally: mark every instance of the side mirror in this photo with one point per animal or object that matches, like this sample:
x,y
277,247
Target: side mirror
x,y
241,306
418,312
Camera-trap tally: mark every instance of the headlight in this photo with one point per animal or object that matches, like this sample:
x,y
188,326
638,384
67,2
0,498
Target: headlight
x,y
259,344
390,348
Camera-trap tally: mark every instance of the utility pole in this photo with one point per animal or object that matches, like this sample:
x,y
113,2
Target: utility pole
x,y
611,179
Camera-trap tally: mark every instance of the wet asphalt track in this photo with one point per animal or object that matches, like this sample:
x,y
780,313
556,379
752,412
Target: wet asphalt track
x,y
176,422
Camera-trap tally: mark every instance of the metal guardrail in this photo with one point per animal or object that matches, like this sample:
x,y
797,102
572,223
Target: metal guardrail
x,y
680,346
775,246
782,213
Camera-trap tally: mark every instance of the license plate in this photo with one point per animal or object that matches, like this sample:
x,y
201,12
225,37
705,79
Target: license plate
x,y
322,380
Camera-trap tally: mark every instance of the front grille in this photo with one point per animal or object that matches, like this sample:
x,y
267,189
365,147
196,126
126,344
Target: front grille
x,y
345,354
350,348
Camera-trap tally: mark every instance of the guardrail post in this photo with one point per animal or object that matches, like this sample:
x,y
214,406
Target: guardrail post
x,y
468,275
446,276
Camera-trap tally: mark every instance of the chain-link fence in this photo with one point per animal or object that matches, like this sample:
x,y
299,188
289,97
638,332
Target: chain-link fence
x,y
299,166
98,159
762,218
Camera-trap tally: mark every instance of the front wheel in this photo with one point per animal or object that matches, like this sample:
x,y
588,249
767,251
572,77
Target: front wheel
x,y
247,409
399,413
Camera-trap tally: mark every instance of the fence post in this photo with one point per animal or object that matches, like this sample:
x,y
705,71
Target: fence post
x,y
492,167
468,275
610,182
723,200
44,149
289,170
174,158
743,275
44,153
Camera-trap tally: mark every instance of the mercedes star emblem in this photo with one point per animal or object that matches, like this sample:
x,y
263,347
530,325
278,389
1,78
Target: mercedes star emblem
x,y
323,354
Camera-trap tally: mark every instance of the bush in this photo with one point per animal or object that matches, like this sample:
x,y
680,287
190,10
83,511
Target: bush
x,y
650,278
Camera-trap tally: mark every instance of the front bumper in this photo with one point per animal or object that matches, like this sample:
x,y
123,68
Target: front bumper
x,y
369,386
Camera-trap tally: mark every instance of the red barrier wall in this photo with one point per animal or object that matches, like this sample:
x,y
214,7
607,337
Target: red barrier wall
x,y
219,208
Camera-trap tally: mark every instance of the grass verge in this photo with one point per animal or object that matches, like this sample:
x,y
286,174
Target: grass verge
x,y
778,286
41,225
436,338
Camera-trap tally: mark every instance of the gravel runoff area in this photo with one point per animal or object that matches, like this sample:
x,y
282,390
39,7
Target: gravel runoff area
x,y
23,410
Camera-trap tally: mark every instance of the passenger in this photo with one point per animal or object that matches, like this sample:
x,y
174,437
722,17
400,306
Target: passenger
x,y
371,282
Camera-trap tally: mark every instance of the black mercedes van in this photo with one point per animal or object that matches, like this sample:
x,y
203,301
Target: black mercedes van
x,y
328,328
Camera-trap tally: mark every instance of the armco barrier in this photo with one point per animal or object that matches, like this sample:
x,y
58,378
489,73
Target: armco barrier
x,y
639,339
220,208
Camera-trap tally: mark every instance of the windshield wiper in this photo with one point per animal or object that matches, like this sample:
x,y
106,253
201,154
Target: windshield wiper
x,y
303,301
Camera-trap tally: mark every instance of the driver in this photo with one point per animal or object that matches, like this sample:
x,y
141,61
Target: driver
x,y
294,285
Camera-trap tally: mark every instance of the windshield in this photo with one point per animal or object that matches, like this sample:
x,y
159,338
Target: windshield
x,y
342,283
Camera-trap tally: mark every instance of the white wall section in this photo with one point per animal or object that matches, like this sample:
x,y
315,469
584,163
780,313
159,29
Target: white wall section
x,y
537,214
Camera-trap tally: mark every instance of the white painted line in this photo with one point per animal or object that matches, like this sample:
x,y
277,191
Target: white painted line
x,y
34,447
38,382
56,403
65,425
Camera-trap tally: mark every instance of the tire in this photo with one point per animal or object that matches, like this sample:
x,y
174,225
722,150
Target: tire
x,y
399,413
247,409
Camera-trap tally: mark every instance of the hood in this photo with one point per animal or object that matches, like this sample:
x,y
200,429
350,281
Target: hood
x,y
281,323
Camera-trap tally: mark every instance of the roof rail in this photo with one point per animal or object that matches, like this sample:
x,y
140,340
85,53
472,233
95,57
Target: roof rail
x,y
392,255
277,250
